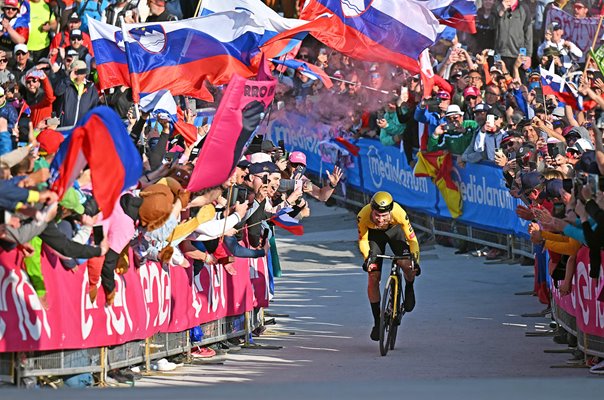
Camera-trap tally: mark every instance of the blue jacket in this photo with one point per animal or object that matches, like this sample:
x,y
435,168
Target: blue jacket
x,y
8,112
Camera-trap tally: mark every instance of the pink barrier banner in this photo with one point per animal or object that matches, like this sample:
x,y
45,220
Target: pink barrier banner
x,y
148,300
583,302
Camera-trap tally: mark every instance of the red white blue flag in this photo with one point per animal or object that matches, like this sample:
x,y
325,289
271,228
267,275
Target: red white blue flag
x,y
393,31
311,71
458,14
284,220
100,140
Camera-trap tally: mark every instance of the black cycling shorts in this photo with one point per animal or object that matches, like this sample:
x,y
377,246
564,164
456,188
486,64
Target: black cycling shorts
x,y
393,236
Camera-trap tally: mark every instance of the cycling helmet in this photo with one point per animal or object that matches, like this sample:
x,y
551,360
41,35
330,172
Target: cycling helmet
x,y
382,202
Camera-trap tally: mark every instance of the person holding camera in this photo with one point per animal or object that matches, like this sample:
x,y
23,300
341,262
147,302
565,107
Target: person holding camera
x,y
76,95
432,111
455,134
486,140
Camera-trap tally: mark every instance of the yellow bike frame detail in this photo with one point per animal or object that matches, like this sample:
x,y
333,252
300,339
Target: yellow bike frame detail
x,y
396,289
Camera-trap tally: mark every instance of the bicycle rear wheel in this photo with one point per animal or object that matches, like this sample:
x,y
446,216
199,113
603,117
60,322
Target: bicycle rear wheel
x,y
396,321
386,320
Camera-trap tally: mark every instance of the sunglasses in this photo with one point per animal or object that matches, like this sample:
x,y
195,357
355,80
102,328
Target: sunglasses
x,y
303,56
32,80
74,38
3,60
471,97
20,53
10,9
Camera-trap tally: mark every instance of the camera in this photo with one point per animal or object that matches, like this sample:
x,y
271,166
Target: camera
x,y
451,127
432,104
239,194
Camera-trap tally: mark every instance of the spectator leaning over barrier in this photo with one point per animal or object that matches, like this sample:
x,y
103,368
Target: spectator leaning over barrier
x,y
455,135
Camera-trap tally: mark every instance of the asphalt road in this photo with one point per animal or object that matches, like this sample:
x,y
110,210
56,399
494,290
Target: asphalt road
x,y
465,339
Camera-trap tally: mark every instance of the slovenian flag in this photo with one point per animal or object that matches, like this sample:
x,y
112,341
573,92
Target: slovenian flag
x,y
101,141
458,14
311,71
284,220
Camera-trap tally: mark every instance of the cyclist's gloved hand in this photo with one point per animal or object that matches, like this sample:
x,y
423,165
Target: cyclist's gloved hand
x,y
418,270
370,264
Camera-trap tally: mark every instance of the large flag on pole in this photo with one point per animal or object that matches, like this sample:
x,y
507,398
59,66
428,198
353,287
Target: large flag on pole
x,y
237,117
458,14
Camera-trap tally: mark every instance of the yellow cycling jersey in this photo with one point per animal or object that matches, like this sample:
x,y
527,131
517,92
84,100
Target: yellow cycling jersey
x,y
399,217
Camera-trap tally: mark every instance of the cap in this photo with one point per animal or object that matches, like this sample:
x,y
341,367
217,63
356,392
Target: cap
x,y
496,111
267,146
259,158
20,47
156,207
11,3
53,121
530,180
443,95
471,91
338,74
71,201
579,4
75,33
72,53
297,157
453,109
558,112
243,163
553,188
78,64
262,167
554,26
50,140
74,16
581,146
495,69
481,107
551,51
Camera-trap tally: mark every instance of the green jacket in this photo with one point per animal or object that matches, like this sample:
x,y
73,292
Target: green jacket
x,y
455,142
394,128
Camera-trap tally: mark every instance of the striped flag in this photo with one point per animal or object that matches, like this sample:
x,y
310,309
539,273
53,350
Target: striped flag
x,y
284,220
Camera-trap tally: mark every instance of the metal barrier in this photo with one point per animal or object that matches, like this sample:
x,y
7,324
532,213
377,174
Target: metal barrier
x,y
101,360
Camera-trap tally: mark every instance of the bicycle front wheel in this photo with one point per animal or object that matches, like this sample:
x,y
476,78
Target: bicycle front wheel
x,y
386,312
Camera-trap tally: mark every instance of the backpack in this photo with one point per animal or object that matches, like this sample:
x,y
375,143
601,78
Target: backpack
x,y
91,9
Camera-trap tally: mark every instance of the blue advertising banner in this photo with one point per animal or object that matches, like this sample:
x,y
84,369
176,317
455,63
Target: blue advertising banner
x,y
486,201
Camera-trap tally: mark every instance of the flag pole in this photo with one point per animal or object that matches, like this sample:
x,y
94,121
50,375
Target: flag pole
x,y
197,9
137,113
593,44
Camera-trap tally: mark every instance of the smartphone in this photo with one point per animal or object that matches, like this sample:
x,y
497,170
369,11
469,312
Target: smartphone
x,y
499,152
404,90
491,53
593,182
491,120
192,105
97,234
298,185
497,58
522,51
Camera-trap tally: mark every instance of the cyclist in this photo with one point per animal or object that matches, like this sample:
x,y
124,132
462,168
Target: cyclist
x,y
380,222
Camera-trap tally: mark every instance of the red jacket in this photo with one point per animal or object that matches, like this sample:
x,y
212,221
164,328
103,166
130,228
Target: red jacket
x,y
43,109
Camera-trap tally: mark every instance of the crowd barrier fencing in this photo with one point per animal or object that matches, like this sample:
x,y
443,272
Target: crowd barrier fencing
x,y
488,217
149,320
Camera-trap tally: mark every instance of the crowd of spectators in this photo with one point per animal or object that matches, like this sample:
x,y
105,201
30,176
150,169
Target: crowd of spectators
x,y
490,108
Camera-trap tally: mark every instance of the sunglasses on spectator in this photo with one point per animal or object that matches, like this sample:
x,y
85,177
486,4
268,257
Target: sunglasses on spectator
x,y
10,9
471,97
20,53
3,60
303,56
74,38
32,80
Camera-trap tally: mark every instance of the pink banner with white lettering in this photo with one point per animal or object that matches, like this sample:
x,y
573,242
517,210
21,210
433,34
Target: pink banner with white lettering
x,y
148,300
582,302
580,31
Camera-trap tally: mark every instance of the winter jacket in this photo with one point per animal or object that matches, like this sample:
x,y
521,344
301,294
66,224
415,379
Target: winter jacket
x,y
454,142
514,31
394,128
41,102
70,104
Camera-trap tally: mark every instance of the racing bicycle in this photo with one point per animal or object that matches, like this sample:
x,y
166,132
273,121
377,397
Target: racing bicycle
x,y
392,310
